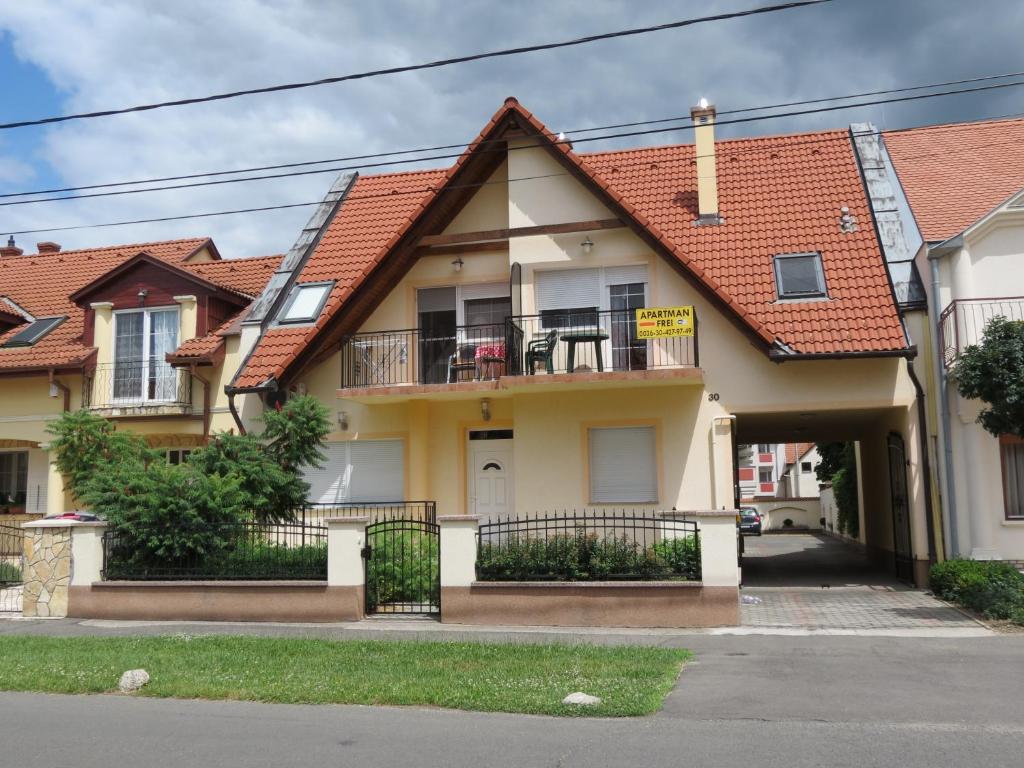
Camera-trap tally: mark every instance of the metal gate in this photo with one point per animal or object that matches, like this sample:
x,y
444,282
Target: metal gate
x,y
403,567
12,556
900,508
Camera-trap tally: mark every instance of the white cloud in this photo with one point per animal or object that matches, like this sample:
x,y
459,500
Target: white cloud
x,y
123,53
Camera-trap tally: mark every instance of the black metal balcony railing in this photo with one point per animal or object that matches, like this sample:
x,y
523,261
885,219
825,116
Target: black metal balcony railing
x,y
569,341
146,383
963,322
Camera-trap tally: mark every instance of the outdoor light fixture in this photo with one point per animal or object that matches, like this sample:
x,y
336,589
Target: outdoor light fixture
x,y
458,263
343,421
142,294
485,409
587,245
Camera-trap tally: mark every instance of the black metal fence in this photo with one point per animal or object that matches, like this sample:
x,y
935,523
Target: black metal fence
x,y
12,557
318,514
134,384
963,322
403,567
236,551
599,545
562,341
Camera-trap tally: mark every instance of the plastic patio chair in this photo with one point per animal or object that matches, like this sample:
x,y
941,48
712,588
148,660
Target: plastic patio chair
x,y
542,350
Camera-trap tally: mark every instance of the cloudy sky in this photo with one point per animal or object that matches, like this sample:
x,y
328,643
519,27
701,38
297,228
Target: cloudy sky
x,y
79,55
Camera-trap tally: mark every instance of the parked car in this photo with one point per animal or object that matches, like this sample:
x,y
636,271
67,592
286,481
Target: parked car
x,y
750,522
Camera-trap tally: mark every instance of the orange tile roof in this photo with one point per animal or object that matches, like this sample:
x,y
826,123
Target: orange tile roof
x,y
780,194
953,175
42,284
795,451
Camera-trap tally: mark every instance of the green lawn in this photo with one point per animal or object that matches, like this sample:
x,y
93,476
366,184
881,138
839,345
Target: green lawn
x,y
483,677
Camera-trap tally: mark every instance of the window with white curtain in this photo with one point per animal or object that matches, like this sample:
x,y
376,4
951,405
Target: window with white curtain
x,y
623,465
1011,450
359,471
142,339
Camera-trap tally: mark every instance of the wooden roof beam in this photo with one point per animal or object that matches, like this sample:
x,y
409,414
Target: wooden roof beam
x,y
507,234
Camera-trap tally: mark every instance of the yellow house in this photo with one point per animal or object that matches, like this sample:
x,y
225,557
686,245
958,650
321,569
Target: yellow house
x,y
143,334
536,328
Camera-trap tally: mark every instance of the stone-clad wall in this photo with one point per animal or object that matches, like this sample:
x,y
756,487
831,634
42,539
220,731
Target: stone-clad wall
x,y
47,571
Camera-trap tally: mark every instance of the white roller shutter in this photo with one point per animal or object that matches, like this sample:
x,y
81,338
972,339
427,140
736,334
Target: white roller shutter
x,y
623,465
636,273
359,470
38,467
567,288
484,291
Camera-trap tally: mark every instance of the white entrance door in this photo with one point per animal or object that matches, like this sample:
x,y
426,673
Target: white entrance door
x,y
490,475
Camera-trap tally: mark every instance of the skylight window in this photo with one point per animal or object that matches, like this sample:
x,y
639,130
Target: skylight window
x,y
33,332
800,276
305,303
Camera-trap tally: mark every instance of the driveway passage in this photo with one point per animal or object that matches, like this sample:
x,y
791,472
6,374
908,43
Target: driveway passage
x,y
812,582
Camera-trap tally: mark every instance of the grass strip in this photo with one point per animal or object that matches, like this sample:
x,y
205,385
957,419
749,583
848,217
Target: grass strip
x,y
483,677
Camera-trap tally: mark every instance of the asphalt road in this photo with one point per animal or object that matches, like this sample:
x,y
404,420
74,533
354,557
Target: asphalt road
x,y
746,701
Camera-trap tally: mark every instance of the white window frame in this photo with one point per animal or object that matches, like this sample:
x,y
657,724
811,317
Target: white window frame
x,y
605,304
487,289
297,289
147,359
654,462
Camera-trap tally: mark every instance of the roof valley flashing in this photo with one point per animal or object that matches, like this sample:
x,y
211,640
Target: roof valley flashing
x,y
264,311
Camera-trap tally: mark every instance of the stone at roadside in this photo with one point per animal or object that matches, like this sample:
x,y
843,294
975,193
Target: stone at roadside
x,y
133,680
582,699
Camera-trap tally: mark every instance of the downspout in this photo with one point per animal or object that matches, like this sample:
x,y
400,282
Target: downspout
x,y
206,399
922,434
945,446
62,388
231,392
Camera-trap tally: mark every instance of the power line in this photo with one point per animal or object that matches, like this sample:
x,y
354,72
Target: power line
x,y
427,190
604,137
463,146
415,67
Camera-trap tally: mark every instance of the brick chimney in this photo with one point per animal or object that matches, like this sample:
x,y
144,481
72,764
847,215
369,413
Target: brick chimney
x,y
11,249
703,116
48,247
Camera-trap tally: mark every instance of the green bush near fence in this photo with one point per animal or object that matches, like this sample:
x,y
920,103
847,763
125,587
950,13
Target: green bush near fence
x,y
991,587
9,573
586,557
403,568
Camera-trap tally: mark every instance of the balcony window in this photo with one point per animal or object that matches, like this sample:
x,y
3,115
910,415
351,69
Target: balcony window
x,y
142,340
766,475
13,478
800,276
1011,450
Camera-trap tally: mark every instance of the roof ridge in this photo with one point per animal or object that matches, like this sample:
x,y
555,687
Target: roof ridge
x,y
950,126
119,246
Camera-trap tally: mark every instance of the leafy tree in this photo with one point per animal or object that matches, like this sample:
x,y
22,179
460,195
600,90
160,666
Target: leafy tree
x,y
832,460
993,372
839,467
294,435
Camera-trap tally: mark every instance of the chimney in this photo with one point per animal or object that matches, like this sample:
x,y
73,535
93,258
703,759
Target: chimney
x,y
11,249
48,247
703,116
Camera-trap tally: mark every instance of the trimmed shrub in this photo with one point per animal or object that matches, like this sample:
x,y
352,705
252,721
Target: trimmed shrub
x,y
990,587
584,557
9,573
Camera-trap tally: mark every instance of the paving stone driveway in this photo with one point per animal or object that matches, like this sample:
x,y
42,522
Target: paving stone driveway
x,y
805,581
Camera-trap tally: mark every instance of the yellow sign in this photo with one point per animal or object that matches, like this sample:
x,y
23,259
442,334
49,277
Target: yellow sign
x,y
663,322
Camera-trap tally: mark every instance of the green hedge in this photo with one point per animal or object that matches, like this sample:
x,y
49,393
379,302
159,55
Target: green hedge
x,y
588,558
9,573
990,587
403,568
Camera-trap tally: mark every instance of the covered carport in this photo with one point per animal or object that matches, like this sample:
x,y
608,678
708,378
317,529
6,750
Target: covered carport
x,y
896,536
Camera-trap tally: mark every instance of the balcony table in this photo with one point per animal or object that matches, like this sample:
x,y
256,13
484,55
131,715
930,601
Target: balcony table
x,y
593,336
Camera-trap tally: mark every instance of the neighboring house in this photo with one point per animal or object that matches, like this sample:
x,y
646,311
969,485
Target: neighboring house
x,y
779,481
964,185
144,334
474,329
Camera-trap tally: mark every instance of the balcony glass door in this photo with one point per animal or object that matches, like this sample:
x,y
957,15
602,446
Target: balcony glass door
x,y
142,339
437,323
628,352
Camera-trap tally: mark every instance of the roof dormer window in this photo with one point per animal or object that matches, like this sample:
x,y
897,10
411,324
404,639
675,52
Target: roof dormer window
x,y
305,303
33,332
800,276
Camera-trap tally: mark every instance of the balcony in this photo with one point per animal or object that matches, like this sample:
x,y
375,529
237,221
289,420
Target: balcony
x,y
554,346
142,388
963,322
766,489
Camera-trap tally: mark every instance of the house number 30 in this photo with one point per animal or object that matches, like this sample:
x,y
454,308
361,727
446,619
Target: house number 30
x,y
712,397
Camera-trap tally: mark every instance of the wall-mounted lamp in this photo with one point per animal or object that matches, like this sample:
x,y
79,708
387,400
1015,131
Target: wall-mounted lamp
x,y
587,245
485,409
142,294
458,263
343,421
